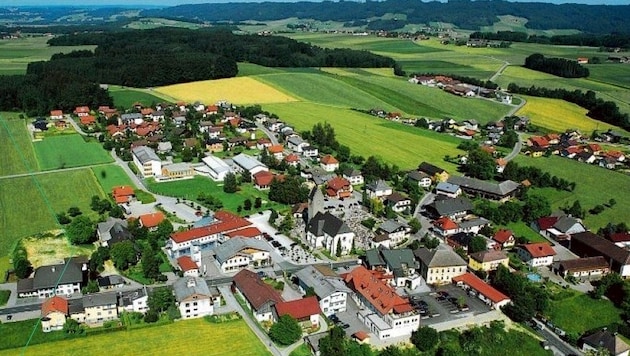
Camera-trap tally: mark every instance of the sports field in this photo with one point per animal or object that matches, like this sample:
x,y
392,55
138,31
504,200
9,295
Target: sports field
x,y
15,144
195,337
367,135
16,54
559,115
28,204
594,185
110,176
67,151
239,90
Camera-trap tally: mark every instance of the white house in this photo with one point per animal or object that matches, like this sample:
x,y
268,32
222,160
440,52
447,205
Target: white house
x,y
193,297
422,179
378,189
188,266
54,313
147,161
58,279
296,144
135,300
353,176
329,288
536,254
396,231
398,202
310,151
448,189
237,253
329,163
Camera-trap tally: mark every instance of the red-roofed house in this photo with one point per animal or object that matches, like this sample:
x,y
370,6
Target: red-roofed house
x,y
181,242
385,313
82,111
338,187
277,151
545,223
263,179
618,155
552,138
56,114
594,148
146,111
329,163
188,266
88,120
482,290
152,220
445,226
251,232
538,141
259,296
212,109
305,310
621,239
292,159
536,254
54,313
505,238
123,194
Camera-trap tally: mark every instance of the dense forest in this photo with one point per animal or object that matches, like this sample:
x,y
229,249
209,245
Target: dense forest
x,y
610,41
158,57
557,66
598,109
465,14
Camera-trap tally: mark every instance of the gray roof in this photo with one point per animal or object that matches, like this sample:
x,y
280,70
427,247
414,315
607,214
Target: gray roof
x,y
438,257
322,285
377,185
165,146
503,188
295,140
607,340
417,175
447,187
247,162
145,154
131,116
49,276
351,172
430,169
99,299
187,286
233,246
373,258
450,206
399,258
327,223
127,297
177,167
473,222
390,226
112,280
565,223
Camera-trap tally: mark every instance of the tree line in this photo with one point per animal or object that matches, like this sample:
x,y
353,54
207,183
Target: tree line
x,y
611,40
557,66
598,109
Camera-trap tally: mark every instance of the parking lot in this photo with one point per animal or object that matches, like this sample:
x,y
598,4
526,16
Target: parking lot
x,y
446,303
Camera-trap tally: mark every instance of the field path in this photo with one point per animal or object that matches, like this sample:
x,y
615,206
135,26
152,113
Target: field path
x,y
53,171
500,71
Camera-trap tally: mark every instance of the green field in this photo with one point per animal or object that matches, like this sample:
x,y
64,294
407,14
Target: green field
x,y
110,176
367,135
15,144
191,188
190,337
592,313
594,185
69,151
16,54
125,97
28,204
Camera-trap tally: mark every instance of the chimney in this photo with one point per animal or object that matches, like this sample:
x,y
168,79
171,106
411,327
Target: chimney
x,y
191,283
52,269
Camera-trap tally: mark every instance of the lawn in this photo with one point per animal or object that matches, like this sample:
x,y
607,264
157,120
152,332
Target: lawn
x,y
594,185
126,97
248,69
4,297
209,339
239,90
367,135
110,176
302,350
28,204
16,54
581,313
15,144
559,115
69,151
520,229
191,188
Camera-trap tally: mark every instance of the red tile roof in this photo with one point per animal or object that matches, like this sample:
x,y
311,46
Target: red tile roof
x,y
122,190
263,178
112,129
257,292
552,136
292,158
55,304
488,148
382,296
540,249
361,335
299,309
187,264
594,147
250,232
88,120
619,237
445,223
56,113
212,108
547,222
481,287
146,111
234,121
328,159
81,109
614,154
539,141
227,222
502,236
152,219
275,149
338,183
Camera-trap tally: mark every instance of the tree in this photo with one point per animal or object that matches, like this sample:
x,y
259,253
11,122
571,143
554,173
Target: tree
x,y
98,258
480,164
287,223
290,191
63,219
576,210
100,205
81,230
310,291
151,316
123,254
74,211
150,263
91,287
257,203
22,268
273,217
164,230
536,207
229,183
247,204
477,244
161,299
425,338
72,326
415,225
286,331
334,343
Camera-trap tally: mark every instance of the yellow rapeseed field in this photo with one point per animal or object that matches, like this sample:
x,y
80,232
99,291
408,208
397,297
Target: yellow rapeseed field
x,y
239,90
558,115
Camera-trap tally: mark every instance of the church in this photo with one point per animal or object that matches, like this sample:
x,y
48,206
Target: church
x,y
325,230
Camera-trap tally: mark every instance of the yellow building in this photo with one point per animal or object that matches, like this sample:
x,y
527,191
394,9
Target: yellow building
x,y
177,171
487,260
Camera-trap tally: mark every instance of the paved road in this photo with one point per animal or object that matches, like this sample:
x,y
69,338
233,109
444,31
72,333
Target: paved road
x,y
556,342
500,71
76,126
271,135
425,222
516,150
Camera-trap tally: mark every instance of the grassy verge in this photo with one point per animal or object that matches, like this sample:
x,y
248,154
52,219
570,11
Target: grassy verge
x,y
4,297
110,176
144,197
593,313
302,350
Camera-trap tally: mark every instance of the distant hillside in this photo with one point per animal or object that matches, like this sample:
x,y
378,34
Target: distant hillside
x,y
465,14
